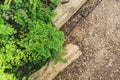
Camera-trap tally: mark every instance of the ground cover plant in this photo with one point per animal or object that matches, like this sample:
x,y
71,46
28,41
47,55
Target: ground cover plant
x,y
28,38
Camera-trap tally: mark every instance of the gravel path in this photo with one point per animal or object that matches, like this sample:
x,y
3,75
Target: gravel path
x,y
98,37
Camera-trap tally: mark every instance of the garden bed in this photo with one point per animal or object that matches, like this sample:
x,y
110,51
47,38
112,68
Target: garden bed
x,y
97,36
50,70
67,10
28,36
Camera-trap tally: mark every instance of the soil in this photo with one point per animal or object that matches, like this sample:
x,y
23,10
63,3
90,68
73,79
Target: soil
x,y
98,36
83,12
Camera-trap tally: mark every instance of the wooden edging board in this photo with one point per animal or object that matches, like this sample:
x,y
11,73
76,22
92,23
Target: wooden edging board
x,y
50,70
65,11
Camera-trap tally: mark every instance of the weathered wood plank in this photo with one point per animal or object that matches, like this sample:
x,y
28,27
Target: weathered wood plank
x,y
65,11
50,70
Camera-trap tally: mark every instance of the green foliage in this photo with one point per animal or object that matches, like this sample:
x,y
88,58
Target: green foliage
x,y
53,3
27,38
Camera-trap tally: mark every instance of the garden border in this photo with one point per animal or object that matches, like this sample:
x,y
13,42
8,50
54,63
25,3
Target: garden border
x,y
50,69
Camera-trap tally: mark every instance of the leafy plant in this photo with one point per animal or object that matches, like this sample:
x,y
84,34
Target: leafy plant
x,y
28,38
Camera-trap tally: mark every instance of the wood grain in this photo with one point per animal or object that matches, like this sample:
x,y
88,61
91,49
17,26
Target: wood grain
x,y
65,11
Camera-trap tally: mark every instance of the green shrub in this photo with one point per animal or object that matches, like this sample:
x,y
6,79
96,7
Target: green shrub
x,y
28,38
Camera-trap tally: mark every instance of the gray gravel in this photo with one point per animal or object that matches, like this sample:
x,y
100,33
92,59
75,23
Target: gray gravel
x,y
98,36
